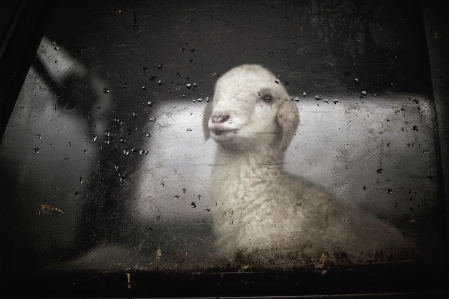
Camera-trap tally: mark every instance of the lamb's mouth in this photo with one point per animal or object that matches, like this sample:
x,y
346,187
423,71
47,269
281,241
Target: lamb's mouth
x,y
223,131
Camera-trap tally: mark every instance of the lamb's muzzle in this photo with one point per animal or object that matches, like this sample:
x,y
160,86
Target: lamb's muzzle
x,y
262,212
219,118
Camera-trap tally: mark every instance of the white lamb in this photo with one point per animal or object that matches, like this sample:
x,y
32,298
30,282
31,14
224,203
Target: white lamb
x,y
264,215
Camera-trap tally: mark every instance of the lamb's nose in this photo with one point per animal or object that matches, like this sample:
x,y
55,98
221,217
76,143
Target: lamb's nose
x,y
220,118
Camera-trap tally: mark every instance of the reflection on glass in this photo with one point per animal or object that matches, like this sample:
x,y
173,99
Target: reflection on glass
x,y
111,169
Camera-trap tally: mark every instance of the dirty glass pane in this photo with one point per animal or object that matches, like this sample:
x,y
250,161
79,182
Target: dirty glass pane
x,y
106,162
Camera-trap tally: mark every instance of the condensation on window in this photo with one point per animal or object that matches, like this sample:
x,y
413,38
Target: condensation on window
x,y
107,165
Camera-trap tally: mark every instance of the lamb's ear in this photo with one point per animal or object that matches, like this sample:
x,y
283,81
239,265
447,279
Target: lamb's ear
x,y
288,120
206,116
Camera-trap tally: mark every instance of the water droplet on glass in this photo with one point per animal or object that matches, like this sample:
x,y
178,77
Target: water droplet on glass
x,y
200,100
159,82
39,136
116,167
335,102
189,130
364,187
318,97
162,184
194,101
81,180
426,151
415,128
94,138
390,191
152,119
37,150
123,140
188,85
105,90
85,151
148,135
57,48
144,87
356,80
125,85
193,205
159,66
122,179
380,170
296,99
304,94
364,93
177,197
184,190
150,103
107,133
388,144
125,152
199,197
134,114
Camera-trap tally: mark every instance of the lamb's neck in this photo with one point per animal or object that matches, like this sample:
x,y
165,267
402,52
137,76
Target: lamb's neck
x,y
232,166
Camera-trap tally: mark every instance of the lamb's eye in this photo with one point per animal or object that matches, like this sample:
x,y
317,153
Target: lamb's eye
x,y
267,98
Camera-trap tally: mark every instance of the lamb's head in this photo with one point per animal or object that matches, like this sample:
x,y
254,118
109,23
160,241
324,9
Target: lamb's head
x,y
250,109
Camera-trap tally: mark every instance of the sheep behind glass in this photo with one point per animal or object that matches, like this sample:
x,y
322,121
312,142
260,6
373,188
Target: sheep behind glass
x,y
263,214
